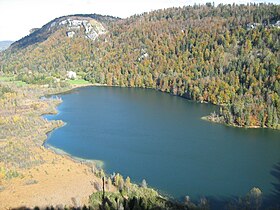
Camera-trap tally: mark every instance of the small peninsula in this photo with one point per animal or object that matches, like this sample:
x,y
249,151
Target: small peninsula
x,y
225,55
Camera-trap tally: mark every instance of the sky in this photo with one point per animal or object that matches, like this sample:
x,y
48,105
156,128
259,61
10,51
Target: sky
x,y
17,17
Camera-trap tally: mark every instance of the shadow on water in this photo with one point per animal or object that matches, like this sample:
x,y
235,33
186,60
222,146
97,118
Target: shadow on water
x,y
272,201
250,201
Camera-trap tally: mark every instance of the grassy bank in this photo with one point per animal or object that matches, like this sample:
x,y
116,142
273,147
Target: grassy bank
x,y
25,166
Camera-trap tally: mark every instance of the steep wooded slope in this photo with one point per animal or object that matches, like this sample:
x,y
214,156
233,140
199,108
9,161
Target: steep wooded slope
x,y
226,55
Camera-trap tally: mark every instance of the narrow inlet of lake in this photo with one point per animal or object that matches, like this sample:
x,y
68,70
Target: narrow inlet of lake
x,y
146,134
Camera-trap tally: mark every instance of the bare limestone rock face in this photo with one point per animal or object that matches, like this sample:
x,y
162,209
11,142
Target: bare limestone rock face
x,y
88,26
91,28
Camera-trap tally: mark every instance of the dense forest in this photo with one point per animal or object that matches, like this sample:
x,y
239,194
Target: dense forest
x,y
226,55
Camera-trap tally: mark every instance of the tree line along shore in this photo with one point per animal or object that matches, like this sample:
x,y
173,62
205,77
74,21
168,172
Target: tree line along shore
x,y
221,54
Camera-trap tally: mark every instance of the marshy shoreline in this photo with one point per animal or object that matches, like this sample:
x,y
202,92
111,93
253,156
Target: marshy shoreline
x,y
55,177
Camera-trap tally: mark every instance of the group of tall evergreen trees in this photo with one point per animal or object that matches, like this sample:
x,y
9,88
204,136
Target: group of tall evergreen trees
x,y
226,55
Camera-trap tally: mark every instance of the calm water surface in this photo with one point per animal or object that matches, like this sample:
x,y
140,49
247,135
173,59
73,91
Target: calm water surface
x,y
152,135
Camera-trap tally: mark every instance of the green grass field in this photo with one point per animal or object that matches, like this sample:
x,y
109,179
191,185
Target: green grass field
x,y
7,79
78,82
20,83
12,79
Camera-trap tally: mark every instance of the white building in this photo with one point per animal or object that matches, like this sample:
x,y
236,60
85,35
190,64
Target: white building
x,y
71,75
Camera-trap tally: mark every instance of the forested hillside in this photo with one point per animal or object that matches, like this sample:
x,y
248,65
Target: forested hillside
x,y
226,55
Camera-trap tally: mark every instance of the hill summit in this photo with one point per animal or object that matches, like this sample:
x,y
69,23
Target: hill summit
x,y
89,26
224,55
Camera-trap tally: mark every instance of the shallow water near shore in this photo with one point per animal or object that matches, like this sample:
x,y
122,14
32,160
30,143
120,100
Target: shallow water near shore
x,y
146,134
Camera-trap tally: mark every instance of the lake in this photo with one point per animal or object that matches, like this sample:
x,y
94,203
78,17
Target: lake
x,y
146,134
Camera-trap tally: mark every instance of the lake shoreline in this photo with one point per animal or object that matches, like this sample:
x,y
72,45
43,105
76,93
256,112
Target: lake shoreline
x,y
207,118
113,93
51,174
54,180
99,164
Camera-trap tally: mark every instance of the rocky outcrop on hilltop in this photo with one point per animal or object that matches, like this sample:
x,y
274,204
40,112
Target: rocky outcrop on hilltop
x,y
90,26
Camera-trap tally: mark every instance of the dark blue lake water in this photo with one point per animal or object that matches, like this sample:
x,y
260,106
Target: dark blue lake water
x,y
146,134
